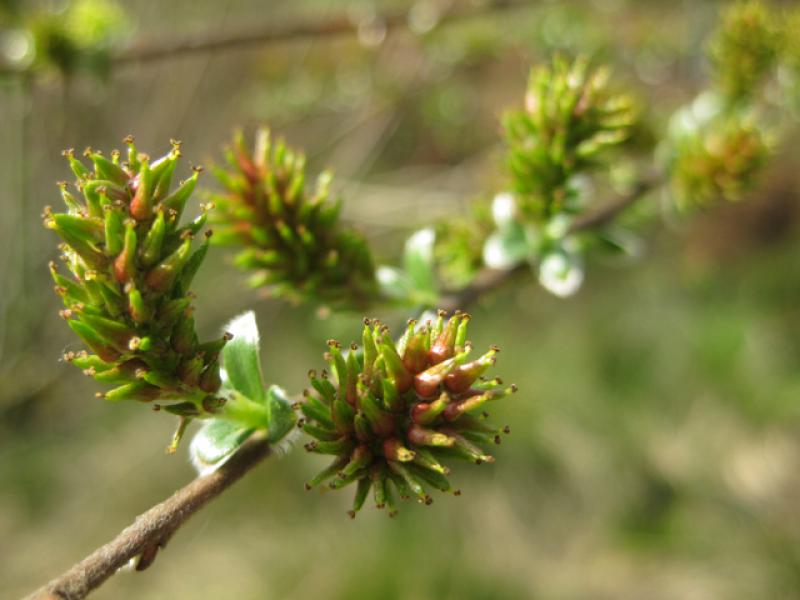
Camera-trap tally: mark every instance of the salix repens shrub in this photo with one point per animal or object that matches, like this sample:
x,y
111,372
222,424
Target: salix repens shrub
x,y
391,412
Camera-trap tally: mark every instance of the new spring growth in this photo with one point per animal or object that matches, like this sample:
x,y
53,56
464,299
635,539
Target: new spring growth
x,y
290,236
459,243
745,50
392,414
570,118
131,264
717,160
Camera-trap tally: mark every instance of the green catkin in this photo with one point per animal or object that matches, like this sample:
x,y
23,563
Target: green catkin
x,y
289,235
377,419
127,292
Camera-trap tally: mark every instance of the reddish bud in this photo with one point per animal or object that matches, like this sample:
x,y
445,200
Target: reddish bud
x,y
125,263
429,437
142,203
463,376
427,383
425,413
443,347
402,379
415,357
393,449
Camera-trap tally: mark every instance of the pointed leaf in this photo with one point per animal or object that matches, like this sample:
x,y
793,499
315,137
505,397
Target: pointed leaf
x,y
215,443
240,358
506,247
282,417
504,209
418,262
393,283
561,272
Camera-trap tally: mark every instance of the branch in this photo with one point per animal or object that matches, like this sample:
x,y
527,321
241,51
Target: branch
x,y
151,530
609,211
154,50
277,32
490,279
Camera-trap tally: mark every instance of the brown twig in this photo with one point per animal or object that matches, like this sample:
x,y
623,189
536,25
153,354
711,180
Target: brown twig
x,y
488,280
272,32
152,529
277,32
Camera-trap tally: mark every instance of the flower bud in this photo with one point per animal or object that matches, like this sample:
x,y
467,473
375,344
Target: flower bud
x,y
407,415
288,234
463,376
127,295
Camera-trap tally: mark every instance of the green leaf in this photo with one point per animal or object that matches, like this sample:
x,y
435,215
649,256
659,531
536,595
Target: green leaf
x,y
419,264
215,442
240,358
282,416
393,283
504,209
561,272
506,247
619,242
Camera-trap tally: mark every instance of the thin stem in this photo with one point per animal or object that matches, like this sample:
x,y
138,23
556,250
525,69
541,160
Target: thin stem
x,y
273,32
152,529
488,280
277,32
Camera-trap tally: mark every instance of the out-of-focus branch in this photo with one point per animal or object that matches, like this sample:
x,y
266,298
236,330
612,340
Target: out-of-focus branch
x,y
277,32
609,211
488,280
154,50
152,529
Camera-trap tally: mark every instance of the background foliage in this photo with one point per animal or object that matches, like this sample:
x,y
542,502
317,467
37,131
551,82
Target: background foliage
x,y
655,452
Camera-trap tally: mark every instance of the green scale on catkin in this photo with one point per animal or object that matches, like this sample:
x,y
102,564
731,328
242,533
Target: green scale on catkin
x,y
290,236
393,414
131,264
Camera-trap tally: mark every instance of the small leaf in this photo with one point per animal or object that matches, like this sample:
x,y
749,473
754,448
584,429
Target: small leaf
x,y
506,247
240,358
418,262
504,209
561,272
620,242
282,416
393,283
215,443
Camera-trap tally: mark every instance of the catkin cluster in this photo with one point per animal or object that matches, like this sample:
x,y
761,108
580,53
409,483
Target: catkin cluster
x,y
395,411
127,294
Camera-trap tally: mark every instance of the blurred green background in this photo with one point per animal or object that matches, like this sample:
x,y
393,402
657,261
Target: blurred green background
x,y
655,447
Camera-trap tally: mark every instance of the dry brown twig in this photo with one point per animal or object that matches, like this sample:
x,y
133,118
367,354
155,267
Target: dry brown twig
x,y
151,530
